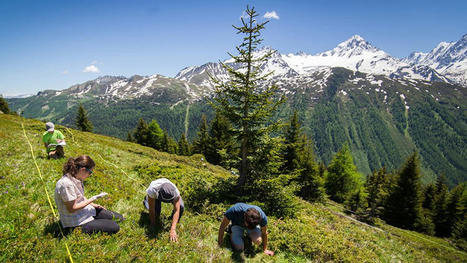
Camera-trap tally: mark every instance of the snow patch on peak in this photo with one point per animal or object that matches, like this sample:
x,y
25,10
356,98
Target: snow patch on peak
x,y
354,45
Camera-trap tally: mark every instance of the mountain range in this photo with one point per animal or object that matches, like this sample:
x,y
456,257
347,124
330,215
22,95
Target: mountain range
x,y
447,62
383,106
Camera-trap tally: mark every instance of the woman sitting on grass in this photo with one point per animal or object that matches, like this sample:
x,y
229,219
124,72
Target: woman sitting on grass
x,y
76,210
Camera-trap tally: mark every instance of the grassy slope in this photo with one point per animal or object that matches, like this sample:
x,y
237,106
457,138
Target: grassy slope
x,y
28,229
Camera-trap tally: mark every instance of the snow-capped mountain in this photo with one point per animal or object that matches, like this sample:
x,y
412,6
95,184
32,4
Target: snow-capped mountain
x,y
445,64
449,59
119,87
355,54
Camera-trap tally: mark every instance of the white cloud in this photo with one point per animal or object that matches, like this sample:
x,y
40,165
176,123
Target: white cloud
x,y
91,68
270,15
65,72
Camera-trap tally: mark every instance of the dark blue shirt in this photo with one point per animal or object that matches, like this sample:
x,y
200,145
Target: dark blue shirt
x,y
236,214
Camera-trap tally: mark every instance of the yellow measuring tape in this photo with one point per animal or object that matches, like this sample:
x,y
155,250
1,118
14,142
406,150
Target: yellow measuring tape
x,y
46,192
114,165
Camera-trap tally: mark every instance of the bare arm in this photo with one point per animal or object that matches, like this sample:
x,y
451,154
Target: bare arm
x,y
264,237
73,206
176,216
224,224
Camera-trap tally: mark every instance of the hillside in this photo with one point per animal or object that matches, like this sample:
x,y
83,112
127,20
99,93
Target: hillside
x,y
29,232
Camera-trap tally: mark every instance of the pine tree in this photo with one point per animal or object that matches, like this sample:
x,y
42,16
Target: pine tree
x,y
404,208
378,185
142,132
342,179
168,144
165,142
82,121
155,135
4,106
440,207
310,179
292,137
202,143
222,147
459,229
183,146
358,201
428,207
270,186
454,210
429,194
246,105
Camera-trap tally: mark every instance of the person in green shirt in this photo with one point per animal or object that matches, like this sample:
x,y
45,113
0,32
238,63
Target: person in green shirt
x,y
51,138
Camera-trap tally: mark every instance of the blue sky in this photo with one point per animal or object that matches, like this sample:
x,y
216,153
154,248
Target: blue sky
x,y
50,44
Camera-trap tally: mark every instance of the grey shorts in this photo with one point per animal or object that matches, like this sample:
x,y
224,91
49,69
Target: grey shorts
x,y
237,235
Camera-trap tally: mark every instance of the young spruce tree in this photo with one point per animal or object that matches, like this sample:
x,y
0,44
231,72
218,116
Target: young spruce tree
x,y
183,146
202,142
241,100
292,144
459,198
141,132
456,211
221,150
82,121
310,179
343,178
169,144
440,218
404,207
378,185
155,135
299,159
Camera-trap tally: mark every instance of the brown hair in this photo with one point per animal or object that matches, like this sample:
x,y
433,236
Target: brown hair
x,y
252,218
72,166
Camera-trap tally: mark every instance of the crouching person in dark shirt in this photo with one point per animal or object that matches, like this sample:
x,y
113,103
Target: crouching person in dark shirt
x,y
249,218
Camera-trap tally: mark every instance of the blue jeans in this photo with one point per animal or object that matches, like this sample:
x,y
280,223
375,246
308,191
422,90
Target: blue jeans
x,y
237,235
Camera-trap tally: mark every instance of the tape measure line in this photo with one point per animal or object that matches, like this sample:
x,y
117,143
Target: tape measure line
x,y
47,193
72,137
143,187
114,165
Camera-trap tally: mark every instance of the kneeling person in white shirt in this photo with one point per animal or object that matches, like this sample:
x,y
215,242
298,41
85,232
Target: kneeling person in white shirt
x,y
163,190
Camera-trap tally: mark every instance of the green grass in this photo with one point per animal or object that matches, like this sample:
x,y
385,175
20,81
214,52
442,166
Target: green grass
x,y
29,232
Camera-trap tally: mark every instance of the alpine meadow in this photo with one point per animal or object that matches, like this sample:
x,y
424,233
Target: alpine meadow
x,y
348,155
